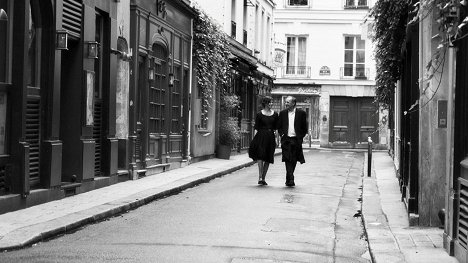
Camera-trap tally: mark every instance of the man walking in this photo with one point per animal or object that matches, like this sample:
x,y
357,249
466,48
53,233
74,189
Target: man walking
x,y
292,128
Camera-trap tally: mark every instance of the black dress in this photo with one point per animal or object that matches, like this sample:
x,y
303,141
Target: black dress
x,y
263,145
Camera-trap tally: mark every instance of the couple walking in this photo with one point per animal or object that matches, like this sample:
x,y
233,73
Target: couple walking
x,y
291,124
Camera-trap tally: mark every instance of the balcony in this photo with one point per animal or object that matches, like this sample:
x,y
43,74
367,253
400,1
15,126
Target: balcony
x,y
354,73
292,72
233,29
356,4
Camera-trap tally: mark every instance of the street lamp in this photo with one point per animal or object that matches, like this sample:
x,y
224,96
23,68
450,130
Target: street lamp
x,y
171,79
62,40
92,49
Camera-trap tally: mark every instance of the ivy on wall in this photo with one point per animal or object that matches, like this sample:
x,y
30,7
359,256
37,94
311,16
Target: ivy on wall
x,y
211,55
390,20
391,17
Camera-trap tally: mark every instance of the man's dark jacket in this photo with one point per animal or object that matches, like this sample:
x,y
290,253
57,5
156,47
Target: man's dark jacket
x,y
300,124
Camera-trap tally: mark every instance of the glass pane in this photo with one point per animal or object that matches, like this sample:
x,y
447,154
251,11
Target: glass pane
x,y
31,65
177,48
360,56
348,70
349,2
3,43
360,44
142,31
348,56
291,49
298,2
360,70
302,51
186,51
3,111
349,42
362,3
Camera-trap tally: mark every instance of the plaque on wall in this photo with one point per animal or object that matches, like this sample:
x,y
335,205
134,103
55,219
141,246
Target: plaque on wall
x,y
324,71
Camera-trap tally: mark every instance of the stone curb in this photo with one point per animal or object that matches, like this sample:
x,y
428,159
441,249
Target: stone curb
x,y
379,235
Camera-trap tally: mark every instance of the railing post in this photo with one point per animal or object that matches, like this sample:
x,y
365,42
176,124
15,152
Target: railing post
x,y
369,156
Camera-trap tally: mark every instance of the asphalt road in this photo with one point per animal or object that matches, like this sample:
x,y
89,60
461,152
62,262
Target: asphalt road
x,y
232,219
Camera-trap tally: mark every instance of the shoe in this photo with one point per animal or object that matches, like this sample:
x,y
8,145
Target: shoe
x,y
262,182
290,183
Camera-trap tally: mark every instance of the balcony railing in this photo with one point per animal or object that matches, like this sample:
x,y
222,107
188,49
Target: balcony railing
x,y
356,73
233,29
292,71
356,4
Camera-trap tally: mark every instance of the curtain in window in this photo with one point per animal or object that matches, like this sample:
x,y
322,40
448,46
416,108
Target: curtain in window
x,y
291,55
301,58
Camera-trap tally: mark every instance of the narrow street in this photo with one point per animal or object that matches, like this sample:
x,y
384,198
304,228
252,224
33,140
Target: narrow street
x,y
232,219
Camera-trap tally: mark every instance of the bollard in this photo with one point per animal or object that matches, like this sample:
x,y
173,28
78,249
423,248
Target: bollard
x,y
369,156
310,139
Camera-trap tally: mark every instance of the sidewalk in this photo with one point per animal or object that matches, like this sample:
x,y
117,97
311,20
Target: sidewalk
x,y
391,239
385,219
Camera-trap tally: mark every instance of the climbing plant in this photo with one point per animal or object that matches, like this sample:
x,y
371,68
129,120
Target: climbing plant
x,y
390,20
211,55
391,17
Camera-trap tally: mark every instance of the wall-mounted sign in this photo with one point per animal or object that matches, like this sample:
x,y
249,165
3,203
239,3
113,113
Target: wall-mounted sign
x,y
324,71
308,90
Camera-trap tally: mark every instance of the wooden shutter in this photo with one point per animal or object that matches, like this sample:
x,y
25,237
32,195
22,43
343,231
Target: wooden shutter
x,y
33,135
97,136
72,17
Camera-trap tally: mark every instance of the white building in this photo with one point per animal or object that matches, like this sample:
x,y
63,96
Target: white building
x,y
324,58
249,23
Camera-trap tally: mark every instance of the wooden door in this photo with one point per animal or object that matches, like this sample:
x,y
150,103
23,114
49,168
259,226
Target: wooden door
x,y
352,121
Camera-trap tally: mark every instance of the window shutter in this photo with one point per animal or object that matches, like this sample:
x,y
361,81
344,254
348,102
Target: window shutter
x,y
72,17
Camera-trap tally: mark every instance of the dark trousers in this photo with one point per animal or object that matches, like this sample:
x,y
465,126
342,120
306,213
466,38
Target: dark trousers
x,y
290,167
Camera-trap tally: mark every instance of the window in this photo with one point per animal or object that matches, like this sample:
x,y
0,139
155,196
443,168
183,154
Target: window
x,y
356,4
354,57
296,55
298,2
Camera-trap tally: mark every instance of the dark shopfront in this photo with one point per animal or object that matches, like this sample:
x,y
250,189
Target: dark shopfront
x,y
30,150
57,100
160,84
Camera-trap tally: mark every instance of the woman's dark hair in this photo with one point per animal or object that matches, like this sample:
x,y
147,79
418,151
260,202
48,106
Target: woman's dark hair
x,y
266,100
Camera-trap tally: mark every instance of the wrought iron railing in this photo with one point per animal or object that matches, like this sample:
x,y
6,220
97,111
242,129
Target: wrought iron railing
x,y
292,71
356,4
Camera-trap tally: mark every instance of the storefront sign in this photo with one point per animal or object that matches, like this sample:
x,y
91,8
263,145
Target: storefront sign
x,y
308,90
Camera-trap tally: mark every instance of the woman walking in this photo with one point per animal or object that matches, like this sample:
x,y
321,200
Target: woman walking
x,y
263,145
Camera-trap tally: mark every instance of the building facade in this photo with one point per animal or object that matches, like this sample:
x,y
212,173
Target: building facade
x,y
250,27
96,93
161,40
323,57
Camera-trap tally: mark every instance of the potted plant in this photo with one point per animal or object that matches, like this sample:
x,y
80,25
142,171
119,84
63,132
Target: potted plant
x,y
229,131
